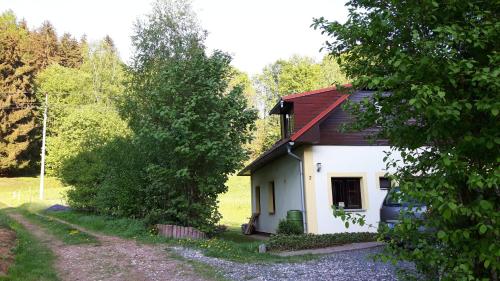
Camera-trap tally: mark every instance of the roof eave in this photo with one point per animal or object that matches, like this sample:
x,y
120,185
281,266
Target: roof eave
x,y
274,152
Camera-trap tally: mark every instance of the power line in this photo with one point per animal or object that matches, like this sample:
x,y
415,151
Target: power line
x,y
15,93
97,106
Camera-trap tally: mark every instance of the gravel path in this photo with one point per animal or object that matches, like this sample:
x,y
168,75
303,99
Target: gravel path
x,y
348,266
116,259
113,259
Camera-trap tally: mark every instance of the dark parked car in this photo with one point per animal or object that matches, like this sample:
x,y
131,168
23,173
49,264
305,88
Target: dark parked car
x,y
393,206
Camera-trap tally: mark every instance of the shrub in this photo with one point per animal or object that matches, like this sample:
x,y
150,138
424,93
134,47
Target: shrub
x,y
289,227
103,181
280,242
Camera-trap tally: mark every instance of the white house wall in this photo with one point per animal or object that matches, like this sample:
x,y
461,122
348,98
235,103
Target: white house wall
x,y
285,173
348,161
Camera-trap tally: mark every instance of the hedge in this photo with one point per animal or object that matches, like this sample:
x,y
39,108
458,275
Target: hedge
x,y
281,242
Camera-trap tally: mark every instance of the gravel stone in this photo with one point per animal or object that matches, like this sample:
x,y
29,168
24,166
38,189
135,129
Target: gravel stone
x,y
348,265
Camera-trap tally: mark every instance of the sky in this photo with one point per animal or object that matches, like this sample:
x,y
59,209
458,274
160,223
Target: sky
x,y
255,32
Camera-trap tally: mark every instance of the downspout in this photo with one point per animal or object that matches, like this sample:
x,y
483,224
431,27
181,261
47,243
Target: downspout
x,y
289,151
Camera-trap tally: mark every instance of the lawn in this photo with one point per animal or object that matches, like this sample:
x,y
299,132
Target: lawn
x,y
17,191
234,205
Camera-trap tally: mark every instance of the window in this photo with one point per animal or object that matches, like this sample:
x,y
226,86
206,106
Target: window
x,y
291,123
384,183
271,203
287,124
346,192
257,199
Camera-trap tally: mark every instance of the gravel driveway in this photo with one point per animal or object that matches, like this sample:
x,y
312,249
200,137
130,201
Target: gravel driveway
x,y
349,265
113,259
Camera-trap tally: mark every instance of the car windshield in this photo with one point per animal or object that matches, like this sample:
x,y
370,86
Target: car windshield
x,y
393,198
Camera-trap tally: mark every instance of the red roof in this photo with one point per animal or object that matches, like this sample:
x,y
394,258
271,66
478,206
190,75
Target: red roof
x,y
318,118
310,108
319,91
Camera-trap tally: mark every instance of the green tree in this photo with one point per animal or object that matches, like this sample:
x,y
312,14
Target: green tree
x,y
17,112
70,53
180,108
435,66
110,42
83,128
85,99
241,79
44,46
331,73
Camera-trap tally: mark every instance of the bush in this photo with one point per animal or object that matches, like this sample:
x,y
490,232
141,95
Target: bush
x,y
289,227
280,242
102,181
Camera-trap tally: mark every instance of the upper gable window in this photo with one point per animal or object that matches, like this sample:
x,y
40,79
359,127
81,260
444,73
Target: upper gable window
x,y
287,125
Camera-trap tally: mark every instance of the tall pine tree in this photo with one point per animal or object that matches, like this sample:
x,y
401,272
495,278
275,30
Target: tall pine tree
x,y
17,114
69,52
44,46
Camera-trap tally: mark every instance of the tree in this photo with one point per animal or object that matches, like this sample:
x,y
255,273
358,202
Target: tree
x,y
181,110
17,113
435,69
189,122
24,54
44,46
241,79
107,72
70,53
85,99
110,42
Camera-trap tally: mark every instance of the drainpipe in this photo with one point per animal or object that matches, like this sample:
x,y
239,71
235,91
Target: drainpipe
x,y
289,151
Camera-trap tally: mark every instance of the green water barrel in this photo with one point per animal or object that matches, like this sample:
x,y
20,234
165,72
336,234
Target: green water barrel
x,y
296,217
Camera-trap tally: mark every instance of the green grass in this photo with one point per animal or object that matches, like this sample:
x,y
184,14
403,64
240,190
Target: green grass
x,y
67,234
33,261
235,205
121,227
17,191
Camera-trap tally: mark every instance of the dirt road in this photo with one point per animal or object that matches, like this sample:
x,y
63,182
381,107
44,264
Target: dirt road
x,y
112,259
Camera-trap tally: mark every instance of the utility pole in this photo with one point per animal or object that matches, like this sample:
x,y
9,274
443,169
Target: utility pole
x,y
44,131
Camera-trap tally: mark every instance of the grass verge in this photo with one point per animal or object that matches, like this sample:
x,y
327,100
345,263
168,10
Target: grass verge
x,y
33,261
67,234
20,190
121,227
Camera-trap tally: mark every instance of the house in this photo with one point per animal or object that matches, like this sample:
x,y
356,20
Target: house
x,y
315,166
